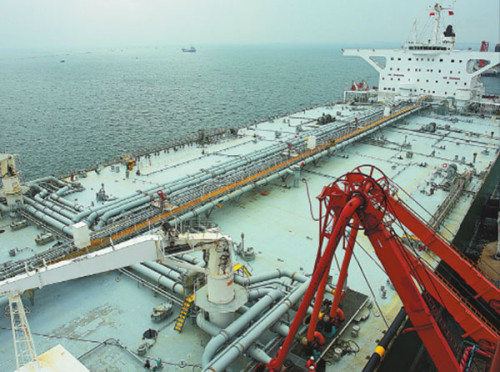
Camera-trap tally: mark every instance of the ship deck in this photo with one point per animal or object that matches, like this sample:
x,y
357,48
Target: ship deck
x,y
100,319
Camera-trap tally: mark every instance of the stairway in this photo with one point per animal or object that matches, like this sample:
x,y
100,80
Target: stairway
x,y
241,269
179,323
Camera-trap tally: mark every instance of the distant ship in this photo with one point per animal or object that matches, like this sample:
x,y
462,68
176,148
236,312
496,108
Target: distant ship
x,y
191,49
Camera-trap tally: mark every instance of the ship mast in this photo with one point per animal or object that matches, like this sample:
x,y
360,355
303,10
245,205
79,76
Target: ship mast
x,y
436,11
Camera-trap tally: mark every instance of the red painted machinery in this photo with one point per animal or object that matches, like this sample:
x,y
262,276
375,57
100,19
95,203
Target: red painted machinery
x,y
365,199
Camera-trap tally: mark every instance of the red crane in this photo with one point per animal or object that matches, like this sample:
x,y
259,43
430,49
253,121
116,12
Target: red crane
x,y
365,199
485,45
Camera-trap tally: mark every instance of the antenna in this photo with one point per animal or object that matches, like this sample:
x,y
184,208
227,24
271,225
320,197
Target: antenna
x,y
435,11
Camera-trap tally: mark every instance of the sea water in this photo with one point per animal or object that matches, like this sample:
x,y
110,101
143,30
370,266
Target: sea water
x,y
67,111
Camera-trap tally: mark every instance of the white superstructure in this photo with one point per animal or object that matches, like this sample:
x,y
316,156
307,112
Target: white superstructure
x,y
429,68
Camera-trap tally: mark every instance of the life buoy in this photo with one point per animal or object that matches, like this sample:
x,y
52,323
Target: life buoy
x,y
445,165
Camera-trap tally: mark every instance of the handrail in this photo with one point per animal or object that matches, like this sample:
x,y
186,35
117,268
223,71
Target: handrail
x,y
101,242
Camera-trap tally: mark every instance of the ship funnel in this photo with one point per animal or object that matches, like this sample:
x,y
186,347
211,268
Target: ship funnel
x,y
449,36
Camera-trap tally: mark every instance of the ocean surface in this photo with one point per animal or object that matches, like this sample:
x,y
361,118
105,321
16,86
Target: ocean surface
x,y
67,111
96,105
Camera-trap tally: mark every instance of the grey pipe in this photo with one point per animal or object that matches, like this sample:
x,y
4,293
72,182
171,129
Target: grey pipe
x,y
95,211
56,208
48,178
60,199
242,343
257,292
57,196
47,211
231,195
120,209
258,354
281,328
62,190
50,220
278,273
158,278
192,260
172,274
238,325
206,325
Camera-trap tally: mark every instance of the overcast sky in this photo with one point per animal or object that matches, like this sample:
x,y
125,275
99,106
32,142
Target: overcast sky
x,y
108,23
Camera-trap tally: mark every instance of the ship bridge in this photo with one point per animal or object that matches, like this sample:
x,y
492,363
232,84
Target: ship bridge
x,y
418,71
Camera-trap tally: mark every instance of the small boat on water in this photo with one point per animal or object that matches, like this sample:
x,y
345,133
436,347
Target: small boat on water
x,y
191,49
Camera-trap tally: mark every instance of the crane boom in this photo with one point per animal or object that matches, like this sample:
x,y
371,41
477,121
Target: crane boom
x,y
363,199
140,249
455,259
155,247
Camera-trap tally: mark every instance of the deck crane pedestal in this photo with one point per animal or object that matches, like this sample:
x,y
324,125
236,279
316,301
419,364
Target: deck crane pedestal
x,y
365,199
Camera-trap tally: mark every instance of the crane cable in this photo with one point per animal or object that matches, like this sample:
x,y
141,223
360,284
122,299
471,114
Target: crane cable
x,y
371,290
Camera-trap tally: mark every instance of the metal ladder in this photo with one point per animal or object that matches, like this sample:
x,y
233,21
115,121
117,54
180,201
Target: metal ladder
x,y
186,307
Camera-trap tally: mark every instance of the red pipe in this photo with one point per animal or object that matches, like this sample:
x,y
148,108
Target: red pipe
x,y
340,225
317,306
344,268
